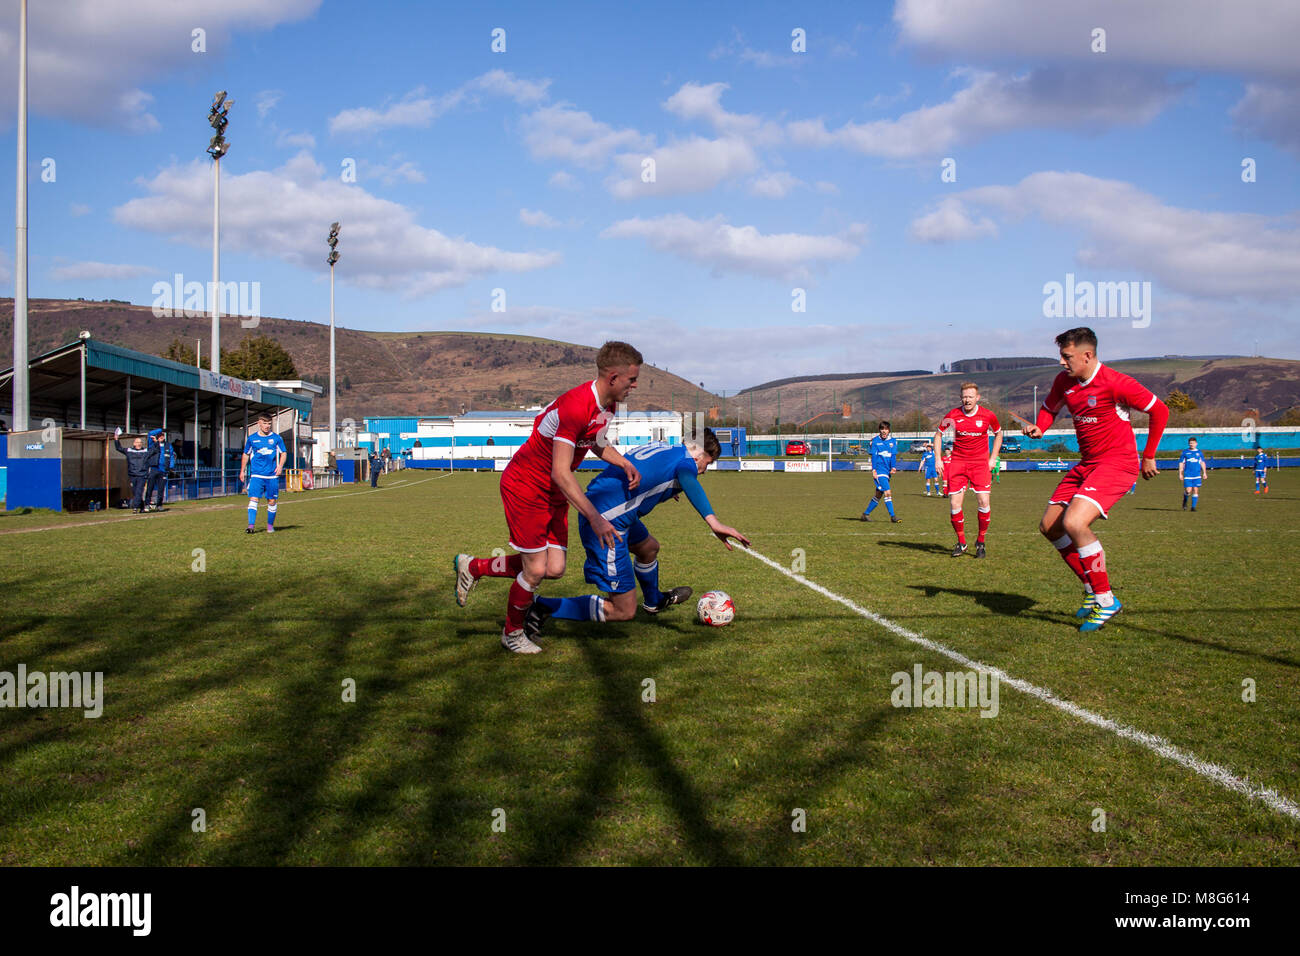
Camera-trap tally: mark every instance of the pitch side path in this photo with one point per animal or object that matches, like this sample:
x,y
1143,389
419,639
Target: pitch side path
x,y
316,696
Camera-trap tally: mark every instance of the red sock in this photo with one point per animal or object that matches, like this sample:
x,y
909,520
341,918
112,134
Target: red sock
x,y
984,523
521,598
1065,547
1093,559
502,566
959,525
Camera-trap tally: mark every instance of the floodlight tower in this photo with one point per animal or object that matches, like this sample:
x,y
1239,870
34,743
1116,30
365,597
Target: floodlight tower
x,y
21,408
217,147
333,257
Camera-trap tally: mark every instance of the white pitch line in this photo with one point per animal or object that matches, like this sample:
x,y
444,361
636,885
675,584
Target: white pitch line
x,y
1210,771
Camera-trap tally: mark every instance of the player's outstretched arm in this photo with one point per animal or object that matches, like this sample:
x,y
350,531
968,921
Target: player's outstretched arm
x,y
563,477
610,454
724,532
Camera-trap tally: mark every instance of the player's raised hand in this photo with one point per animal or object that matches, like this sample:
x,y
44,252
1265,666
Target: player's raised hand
x,y
605,531
1033,431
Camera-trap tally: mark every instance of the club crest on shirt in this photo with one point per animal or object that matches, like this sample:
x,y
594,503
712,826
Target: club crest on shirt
x,y
1092,400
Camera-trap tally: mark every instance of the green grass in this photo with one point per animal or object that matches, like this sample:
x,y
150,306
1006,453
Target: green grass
x,y
223,688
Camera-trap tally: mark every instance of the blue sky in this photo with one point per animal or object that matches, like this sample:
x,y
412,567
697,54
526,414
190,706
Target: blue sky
x,y
775,170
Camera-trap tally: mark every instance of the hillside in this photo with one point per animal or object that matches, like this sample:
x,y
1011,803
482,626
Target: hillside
x,y
389,373
408,373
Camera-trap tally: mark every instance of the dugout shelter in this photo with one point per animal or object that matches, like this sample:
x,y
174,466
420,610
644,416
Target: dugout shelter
x,y
80,392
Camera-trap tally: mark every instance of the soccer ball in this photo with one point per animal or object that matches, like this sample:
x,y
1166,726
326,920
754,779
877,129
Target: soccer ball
x,y
715,609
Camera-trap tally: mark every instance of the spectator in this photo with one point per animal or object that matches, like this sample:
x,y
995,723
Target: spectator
x,y
160,464
139,461
375,462
387,457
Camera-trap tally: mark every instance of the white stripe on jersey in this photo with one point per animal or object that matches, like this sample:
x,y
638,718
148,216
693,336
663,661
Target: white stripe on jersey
x,y
633,503
550,423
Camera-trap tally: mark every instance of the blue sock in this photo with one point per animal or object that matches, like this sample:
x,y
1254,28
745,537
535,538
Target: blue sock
x,y
648,576
270,514
589,607
872,506
252,514
889,506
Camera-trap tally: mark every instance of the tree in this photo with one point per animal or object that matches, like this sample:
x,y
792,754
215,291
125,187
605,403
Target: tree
x,y
1180,401
258,356
178,351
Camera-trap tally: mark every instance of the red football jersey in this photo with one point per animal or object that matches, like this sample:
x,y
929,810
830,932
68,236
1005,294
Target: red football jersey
x,y
575,418
1101,407
972,432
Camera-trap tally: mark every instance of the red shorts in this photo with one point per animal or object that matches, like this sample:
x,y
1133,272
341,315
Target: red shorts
x,y
1102,483
535,520
974,472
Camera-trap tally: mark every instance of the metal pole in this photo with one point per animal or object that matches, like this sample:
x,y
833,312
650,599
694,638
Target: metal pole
x,y
216,270
333,391
22,395
128,403
164,424
83,383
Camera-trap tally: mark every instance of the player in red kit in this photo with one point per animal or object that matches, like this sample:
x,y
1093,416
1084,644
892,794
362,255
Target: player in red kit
x,y
1100,399
971,465
539,484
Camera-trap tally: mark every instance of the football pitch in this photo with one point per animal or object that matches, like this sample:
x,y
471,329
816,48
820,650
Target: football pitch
x,y
228,737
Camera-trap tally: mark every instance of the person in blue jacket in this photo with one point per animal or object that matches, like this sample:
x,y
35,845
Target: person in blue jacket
x,y
139,461
162,462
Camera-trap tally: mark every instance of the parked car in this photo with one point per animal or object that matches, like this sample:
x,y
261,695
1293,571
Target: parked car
x,y
796,448
1010,445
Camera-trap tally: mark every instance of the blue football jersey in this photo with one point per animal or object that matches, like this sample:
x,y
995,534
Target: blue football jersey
x,y
665,470
1193,463
1261,462
263,453
927,462
883,453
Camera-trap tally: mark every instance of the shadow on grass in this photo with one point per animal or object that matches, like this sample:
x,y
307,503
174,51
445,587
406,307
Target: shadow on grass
x,y
927,547
999,602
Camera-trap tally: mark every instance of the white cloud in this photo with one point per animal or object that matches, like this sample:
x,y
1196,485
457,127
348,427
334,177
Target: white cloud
x,y
736,48
295,140
418,109
743,249
88,59
282,213
1250,36
91,271
698,102
535,217
6,266
389,173
993,103
571,135
1271,113
774,185
1212,254
78,209
950,222
826,188
563,180
689,166
884,100
266,101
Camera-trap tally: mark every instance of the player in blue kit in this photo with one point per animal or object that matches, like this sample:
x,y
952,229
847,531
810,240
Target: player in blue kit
x,y
666,471
884,455
263,460
927,468
1261,471
1191,472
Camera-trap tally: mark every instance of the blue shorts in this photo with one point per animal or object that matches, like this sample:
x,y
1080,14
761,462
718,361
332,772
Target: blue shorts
x,y
882,482
1261,474
931,474
268,488
610,569
1191,482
